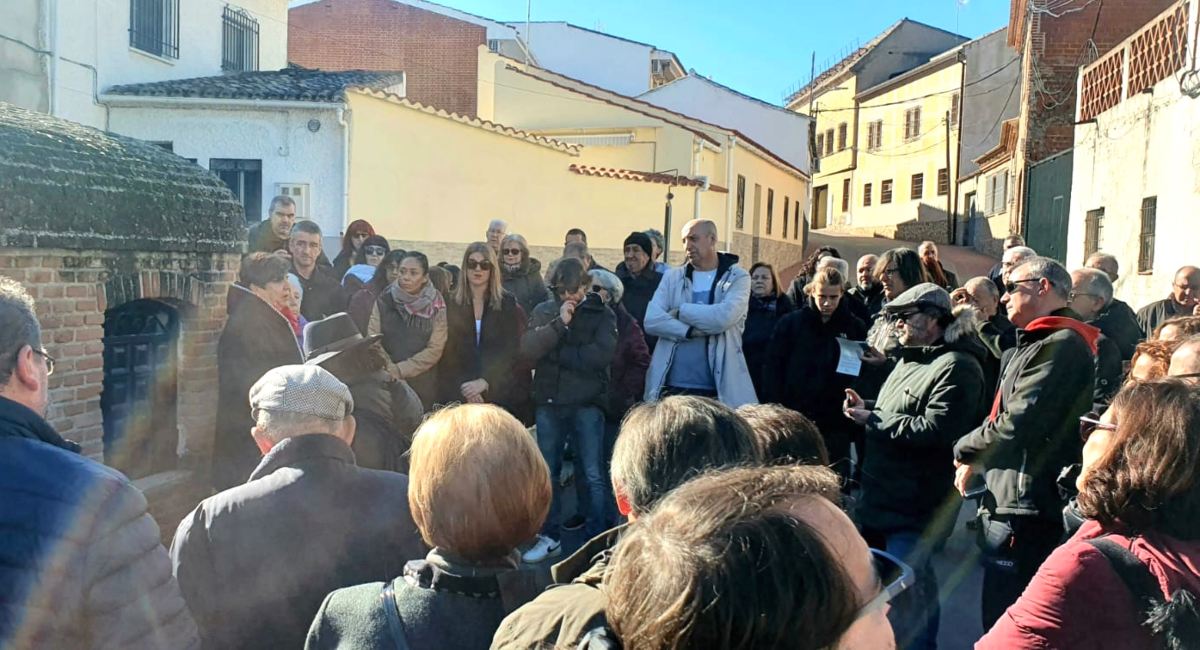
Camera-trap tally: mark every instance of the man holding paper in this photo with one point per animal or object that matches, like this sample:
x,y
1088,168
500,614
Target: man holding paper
x,y
934,396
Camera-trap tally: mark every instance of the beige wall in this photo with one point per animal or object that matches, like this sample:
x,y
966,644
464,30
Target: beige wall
x,y
466,176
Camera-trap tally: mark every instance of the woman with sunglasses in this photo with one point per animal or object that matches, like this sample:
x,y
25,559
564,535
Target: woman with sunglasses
x,y
356,234
411,316
485,327
1140,493
522,273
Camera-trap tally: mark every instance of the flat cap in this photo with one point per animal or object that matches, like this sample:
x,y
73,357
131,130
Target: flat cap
x,y
923,296
302,390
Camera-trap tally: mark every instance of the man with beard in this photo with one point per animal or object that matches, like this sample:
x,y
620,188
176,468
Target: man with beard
x,y
869,291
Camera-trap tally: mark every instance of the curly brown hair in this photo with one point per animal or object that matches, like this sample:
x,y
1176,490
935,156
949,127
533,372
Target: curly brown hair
x,y
1146,480
1159,353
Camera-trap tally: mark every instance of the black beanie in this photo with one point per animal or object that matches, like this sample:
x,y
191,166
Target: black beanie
x,y
641,240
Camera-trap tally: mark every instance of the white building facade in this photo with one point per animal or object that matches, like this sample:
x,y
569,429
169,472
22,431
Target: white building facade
x,y
610,62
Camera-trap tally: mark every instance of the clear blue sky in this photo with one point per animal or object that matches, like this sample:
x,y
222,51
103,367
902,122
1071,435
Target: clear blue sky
x,y
759,47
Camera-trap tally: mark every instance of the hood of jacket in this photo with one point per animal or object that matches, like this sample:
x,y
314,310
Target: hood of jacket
x,y
724,261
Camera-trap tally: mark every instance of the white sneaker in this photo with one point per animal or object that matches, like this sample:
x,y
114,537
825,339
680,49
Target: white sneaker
x,y
542,549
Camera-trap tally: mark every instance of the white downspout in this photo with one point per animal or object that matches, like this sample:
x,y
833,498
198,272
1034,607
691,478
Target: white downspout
x,y
731,188
697,150
53,29
341,118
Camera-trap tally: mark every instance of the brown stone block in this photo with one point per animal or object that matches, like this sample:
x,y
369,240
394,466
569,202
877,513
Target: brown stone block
x,y
93,347
64,336
95,376
72,320
73,408
39,276
90,363
89,334
74,379
19,276
94,319
86,305
88,391
52,291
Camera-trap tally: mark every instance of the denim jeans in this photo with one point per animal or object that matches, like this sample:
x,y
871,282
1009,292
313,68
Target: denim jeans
x,y
584,425
916,612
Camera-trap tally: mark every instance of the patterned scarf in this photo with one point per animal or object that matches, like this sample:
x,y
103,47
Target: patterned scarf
x,y
424,304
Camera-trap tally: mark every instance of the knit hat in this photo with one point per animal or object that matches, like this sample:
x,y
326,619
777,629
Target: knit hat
x,y
302,390
641,240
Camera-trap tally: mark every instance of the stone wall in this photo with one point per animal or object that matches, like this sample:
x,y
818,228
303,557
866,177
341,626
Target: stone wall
x,y
780,254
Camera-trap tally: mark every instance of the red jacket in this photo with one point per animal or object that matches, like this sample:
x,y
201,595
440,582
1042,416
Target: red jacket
x,y
1076,600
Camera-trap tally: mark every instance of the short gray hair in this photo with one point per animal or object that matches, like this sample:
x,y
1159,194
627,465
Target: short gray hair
x,y
657,236
1020,253
307,227
18,325
500,224
839,264
279,425
1095,282
280,200
1052,271
1104,262
986,284
1016,239
611,283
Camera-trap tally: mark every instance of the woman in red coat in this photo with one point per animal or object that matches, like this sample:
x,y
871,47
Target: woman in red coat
x,y
1139,489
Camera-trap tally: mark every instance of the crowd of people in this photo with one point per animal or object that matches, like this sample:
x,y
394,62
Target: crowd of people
x,y
754,465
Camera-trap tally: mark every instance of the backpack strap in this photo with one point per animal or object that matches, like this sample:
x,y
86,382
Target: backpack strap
x,y
391,611
1132,571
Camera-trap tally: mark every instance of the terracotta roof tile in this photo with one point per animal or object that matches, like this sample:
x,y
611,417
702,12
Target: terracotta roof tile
x,y
644,177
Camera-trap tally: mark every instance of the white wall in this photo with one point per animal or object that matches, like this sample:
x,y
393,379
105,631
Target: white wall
x,y
782,131
95,51
290,153
601,60
1148,145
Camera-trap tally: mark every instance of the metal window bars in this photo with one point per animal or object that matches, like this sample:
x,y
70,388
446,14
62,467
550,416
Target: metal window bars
x,y
154,27
239,41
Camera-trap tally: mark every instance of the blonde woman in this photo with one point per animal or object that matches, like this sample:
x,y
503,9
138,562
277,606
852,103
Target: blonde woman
x,y
477,488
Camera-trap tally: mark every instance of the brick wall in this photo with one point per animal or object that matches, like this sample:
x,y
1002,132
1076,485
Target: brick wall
x,y
73,289
438,54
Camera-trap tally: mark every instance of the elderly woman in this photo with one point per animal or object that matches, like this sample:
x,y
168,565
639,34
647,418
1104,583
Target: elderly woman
x,y
768,306
478,488
522,273
1140,493
802,360
411,316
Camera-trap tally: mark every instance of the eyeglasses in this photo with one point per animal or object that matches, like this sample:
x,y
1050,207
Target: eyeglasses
x,y
374,250
49,359
483,265
903,317
1012,285
890,272
894,575
1194,288
1090,422
511,251
1075,294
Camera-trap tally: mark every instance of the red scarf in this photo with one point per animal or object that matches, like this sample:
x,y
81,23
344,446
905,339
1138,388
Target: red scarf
x,y
1091,336
293,320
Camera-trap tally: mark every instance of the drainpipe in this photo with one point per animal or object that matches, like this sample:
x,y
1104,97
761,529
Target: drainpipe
x,y
731,188
341,118
52,18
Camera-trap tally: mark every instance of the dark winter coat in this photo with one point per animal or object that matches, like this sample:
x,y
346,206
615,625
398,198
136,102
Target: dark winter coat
x,y
1159,312
572,362
526,284
1077,600
802,358
1046,383
1110,371
256,339
262,239
81,564
416,344
562,615
1119,324
639,290
628,381
343,261
494,359
440,603
934,396
871,298
761,318
254,562
323,294
360,306
387,413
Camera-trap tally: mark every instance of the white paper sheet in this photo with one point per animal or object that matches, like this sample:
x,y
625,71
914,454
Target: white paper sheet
x,y
850,357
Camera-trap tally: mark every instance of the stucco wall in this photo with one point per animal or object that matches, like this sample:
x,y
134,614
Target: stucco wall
x,y
289,152
598,59
24,76
96,33
1148,145
467,176
783,131
758,171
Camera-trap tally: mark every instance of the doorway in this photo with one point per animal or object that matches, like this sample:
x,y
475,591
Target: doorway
x,y
820,211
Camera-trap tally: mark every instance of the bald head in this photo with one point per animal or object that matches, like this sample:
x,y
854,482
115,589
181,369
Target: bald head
x,y
700,244
1186,288
984,296
1103,262
1186,360
865,270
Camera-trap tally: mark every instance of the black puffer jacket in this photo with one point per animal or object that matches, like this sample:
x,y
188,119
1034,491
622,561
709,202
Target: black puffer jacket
x,y
934,396
761,318
572,362
526,284
1046,383
1119,324
81,565
639,290
801,368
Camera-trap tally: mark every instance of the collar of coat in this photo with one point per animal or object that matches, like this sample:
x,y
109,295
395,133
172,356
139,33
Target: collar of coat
x,y
587,564
297,449
19,421
724,262
1061,319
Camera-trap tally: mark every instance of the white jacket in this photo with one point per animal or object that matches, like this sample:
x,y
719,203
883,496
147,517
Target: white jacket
x,y
721,322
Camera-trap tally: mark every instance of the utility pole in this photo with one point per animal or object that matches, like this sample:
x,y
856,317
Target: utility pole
x,y
949,195
528,13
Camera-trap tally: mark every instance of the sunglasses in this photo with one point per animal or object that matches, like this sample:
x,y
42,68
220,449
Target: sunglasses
x,y
904,317
375,250
484,265
1012,285
597,288
894,575
49,360
511,251
1090,422
359,235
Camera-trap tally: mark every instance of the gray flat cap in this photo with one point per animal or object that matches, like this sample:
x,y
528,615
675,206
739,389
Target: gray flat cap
x,y
302,390
923,296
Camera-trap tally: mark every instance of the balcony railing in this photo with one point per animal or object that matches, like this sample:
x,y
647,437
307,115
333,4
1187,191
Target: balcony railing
x,y
1156,51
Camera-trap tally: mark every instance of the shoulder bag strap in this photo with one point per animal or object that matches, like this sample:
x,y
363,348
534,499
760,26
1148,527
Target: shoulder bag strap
x,y
391,611
1132,571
